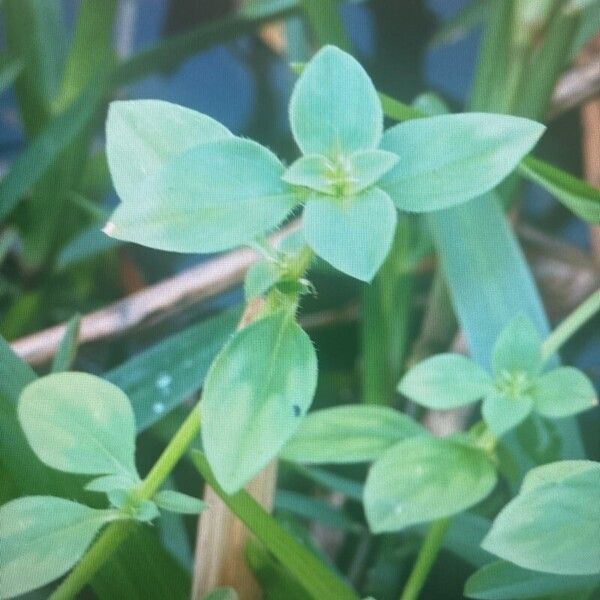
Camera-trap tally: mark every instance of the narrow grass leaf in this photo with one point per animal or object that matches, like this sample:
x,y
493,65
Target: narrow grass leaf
x,y
308,571
67,349
577,195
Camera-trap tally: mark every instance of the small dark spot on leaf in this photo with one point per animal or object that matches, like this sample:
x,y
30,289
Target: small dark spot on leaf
x,y
296,410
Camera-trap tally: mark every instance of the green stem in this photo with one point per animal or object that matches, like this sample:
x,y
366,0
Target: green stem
x,y
114,535
425,559
583,313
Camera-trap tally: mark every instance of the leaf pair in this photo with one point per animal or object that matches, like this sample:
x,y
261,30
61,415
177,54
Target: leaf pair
x,y
415,478
188,185
76,423
516,387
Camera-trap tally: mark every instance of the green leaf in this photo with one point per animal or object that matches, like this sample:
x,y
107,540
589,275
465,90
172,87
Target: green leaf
x,y
65,355
255,394
312,171
177,502
448,159
554,473
353,234
502,413
563,392
368,166
39,155
577,195
518,348
213,197
42,537
109,483
142,136
502,580
423,479
308,570
553,527
331,91
79,423
348,434
445,381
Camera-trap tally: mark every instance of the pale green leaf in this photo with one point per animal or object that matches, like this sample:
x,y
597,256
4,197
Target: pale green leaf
x,y
502,413
143,135
348,434
563,392
577,195
334,108
552,527
79,423
109,483
448,159
176,502
41,538
423,479
255,394
502,580
368,166
210,198
554,473
445,381
518,348
313,171
353,234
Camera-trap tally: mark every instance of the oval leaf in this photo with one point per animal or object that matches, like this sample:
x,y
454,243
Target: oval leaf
x,y
213,197
425,478
518,348
353,234
448,159
501,580
552,527
254,396
445,381
79,423
502,413
177,502
334,108
563,392
143,135
41,538
349,434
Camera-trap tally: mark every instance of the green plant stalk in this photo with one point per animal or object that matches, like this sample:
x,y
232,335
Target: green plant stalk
x,y
425,559
583,313
115,534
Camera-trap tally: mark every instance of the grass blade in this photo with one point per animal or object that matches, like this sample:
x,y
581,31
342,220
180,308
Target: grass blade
x,y
65,356
577,195
314,577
